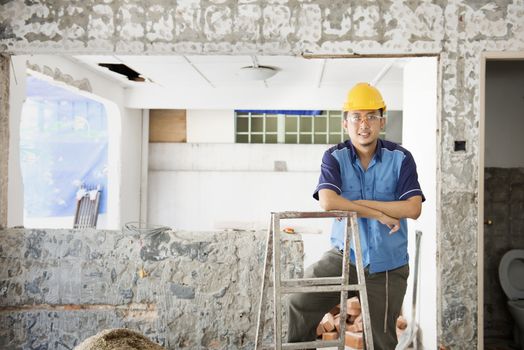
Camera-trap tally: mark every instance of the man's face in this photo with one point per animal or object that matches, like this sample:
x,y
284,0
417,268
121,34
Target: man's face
x,y
363,126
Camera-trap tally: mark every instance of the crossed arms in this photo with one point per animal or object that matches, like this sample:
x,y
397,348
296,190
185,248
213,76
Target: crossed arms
x,y
387,213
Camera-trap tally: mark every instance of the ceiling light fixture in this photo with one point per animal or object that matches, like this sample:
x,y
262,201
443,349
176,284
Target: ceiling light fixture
x,y
257,72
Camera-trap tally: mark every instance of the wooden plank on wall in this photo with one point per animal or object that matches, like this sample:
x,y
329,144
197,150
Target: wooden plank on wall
x,y
167,125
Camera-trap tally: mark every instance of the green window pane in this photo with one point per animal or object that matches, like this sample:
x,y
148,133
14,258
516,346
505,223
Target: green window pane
x,y
333,139
319,139
242,124
271,124
242,139
257,138
291,138
320,124
291,124
257,124
271,138
305,138
305,124
335,124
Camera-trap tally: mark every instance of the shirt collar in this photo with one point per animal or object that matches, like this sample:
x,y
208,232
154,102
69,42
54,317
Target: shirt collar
x,y
353,152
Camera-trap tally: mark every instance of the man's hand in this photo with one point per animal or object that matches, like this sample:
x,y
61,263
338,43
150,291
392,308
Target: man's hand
x,y
392,223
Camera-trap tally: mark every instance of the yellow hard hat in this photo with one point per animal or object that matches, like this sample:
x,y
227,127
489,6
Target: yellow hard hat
x,y
364,96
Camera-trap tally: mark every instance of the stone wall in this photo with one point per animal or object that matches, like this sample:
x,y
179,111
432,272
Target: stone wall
x,y
503,205
459,31
182,289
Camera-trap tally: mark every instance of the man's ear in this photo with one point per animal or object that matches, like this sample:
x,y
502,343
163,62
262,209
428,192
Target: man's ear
x,y
382,123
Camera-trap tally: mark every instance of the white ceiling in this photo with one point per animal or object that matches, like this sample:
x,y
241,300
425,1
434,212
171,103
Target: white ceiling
x,y
222,71
214,82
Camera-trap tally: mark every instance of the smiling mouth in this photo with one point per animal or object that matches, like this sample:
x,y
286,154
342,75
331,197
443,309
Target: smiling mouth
x,y
364,133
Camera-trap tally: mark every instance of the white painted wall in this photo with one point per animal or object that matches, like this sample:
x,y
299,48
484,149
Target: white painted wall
x,y
504,114
124,155
420,138
210,126
214,186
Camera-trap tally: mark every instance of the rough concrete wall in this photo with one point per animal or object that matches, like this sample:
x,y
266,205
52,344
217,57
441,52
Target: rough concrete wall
x,y
458,30
182,289
503,204
4,137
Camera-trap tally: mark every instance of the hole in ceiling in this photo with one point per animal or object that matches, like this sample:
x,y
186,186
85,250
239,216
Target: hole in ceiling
x,y
122,69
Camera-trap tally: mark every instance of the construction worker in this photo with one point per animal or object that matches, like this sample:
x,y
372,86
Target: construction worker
x,y
378,180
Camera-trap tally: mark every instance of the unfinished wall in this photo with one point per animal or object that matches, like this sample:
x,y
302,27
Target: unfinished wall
x,y
4,137
182,289
457,30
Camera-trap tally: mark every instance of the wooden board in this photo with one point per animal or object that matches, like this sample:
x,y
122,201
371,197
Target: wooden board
x,y
167,125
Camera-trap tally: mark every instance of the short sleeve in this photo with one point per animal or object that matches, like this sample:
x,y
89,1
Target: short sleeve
x,y
407,185
329,175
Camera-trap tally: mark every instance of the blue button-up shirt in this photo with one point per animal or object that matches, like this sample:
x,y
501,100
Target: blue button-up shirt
x,y
391,176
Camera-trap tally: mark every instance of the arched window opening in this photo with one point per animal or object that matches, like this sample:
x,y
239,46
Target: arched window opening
x,y
64,149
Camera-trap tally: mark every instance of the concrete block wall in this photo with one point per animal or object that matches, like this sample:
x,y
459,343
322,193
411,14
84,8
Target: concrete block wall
x,y
503,205
184,290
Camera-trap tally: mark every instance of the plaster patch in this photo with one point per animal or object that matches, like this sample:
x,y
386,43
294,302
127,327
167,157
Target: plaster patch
x,y
101,25
247,24
276,22
189,47
188,20
337,21
218,22
160,24
308,20
130,20
224,47
366,21
487,21
133,47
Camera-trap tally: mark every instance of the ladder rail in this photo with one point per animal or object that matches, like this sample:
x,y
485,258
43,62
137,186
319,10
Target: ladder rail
x,y
345,278
362,280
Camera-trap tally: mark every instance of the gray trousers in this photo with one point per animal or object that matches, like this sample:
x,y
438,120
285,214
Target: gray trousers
x,y
307,309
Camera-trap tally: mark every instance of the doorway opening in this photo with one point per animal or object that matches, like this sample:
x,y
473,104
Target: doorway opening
x,y
501,196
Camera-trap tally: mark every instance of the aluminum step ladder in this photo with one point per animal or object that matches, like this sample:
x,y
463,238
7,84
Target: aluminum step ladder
x,y
311,285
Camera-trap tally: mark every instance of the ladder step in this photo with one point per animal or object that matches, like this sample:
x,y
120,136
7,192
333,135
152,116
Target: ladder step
x,y
311,281
318,289
312,344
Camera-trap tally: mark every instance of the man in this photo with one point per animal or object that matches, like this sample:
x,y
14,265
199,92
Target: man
x,y
378,180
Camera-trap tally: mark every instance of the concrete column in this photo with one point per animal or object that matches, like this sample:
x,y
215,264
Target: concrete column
x,y
4,136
